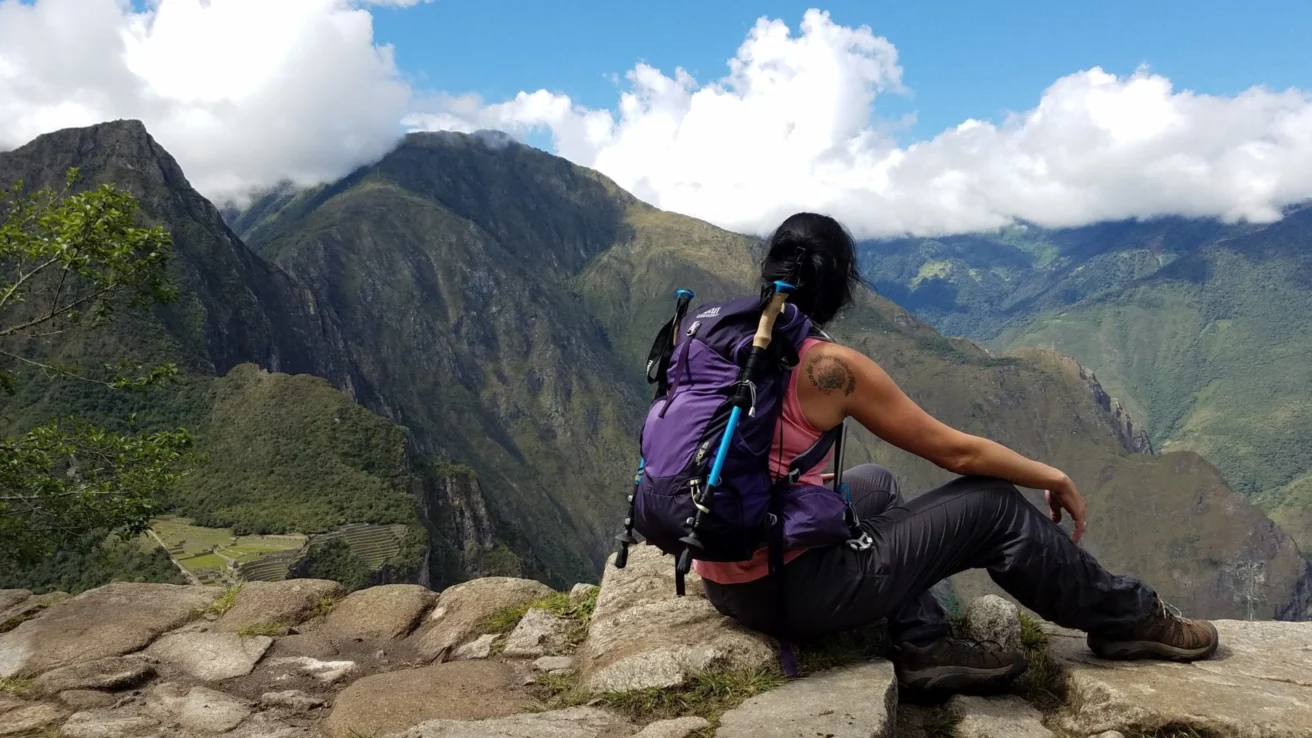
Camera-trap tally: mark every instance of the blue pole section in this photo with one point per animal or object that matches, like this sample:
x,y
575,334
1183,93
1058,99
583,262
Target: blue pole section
x,y
723,451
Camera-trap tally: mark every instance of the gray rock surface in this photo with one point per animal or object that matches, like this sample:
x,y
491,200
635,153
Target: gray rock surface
x,y
114,672
293,699
107,724
107,621
87,699
676,728
396,700
853,702
580,591
31,717
991,618
385,612
11,598
324,671
575,722
479,648
1258,685
461,609
996,717
642,636
539,633
554,664
284,603
1109,734
195,709
211,657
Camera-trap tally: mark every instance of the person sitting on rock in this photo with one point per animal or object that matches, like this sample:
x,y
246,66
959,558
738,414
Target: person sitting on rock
x,y
980,520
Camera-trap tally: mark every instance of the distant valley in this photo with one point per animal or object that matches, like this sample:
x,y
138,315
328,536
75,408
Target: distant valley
x,y
1202,331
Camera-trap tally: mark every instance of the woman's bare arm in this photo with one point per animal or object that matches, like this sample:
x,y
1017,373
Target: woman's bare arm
x,y
840,382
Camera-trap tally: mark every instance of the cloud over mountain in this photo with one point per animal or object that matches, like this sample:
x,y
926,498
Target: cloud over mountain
x,y
250,92
794,126
245,92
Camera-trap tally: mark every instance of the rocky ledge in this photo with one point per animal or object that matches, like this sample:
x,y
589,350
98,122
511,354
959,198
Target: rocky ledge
x,y
510,658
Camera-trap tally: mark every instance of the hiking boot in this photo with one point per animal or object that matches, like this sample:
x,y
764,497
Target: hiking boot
x,y
955,665
1162,635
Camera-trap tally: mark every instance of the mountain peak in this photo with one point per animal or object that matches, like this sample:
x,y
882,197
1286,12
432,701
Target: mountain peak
x,y
101,152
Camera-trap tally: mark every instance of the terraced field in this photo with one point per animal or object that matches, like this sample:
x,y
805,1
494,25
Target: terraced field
x,y
374,544
214,554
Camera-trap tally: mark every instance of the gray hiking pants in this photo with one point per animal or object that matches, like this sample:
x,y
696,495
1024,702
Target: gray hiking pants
x,y
969,523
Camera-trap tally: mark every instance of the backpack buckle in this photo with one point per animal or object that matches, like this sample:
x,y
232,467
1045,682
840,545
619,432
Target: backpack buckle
x,y
861,543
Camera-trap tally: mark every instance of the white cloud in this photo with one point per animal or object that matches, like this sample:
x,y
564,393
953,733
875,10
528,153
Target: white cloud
x,y
243,92
792,126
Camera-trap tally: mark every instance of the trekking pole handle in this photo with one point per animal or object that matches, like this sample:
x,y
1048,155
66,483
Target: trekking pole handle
x,y
773,309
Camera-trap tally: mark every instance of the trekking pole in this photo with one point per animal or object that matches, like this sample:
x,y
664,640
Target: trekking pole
x,y
744,398
626,539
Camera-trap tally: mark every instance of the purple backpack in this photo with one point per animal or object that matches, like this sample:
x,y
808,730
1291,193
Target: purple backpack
x,y
699,364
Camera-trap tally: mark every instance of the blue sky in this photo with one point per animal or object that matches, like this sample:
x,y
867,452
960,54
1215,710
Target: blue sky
x,y
961,59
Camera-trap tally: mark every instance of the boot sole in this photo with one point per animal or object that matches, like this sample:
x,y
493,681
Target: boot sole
x,y
958,678
1131,650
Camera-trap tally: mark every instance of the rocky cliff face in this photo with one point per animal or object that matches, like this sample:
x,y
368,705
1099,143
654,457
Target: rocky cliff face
x,y
511,658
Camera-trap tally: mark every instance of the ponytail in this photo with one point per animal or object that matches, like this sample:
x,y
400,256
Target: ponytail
x,y
816,255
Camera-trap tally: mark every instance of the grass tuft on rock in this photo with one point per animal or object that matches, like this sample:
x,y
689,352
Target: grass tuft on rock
x,y
578,613
223,604
1044,683
15,686
707,694
323,606
262,629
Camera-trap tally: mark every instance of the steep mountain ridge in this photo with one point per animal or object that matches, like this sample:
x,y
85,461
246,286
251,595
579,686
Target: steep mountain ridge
x,y
498,303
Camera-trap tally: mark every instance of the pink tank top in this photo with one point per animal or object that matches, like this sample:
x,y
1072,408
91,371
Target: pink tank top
x,y
798,436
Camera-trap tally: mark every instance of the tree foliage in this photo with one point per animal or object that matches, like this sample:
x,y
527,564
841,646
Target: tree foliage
x,y
69,262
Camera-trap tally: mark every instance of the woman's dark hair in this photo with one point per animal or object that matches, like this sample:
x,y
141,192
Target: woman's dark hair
x,y
817,255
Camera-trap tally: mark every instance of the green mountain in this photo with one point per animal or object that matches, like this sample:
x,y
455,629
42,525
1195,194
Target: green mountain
x,y
294,440
497,303
1202,331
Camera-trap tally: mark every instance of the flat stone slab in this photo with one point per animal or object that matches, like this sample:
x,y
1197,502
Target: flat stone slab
x,y
397,700
107,724
293,699
1258,685
107,621
852,702
324,671
386,612
31,717
198,709
114,672
996,717
539,633
211,657
461,609
643,636
575,722
676,728
87,699
479,648
284,603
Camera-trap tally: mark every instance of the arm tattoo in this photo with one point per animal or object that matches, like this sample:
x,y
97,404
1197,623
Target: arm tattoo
x,y
828,373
